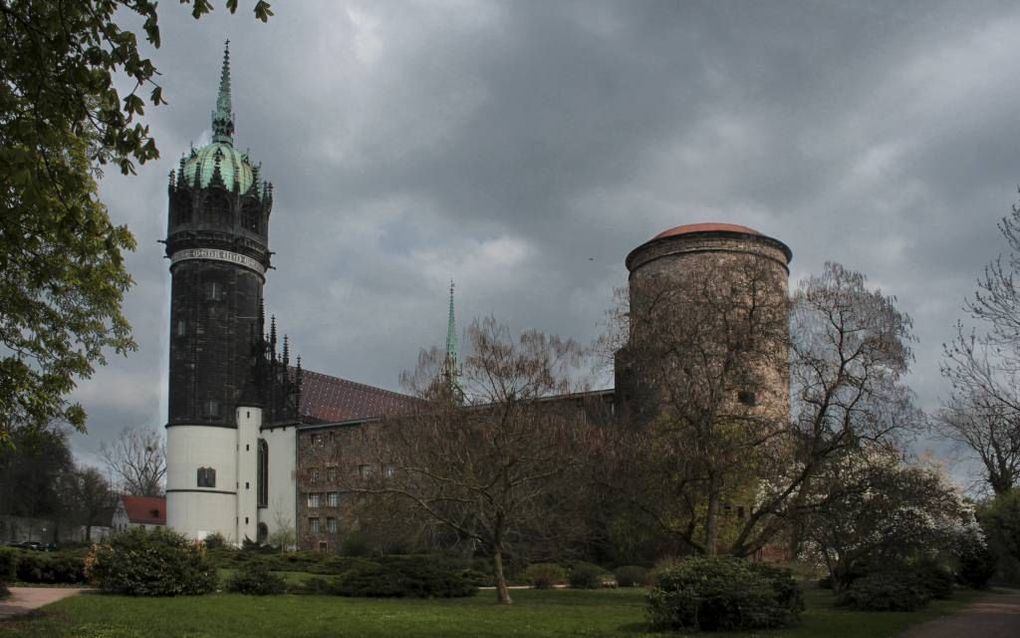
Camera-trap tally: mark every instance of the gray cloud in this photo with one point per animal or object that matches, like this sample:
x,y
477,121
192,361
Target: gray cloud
x,y
523,148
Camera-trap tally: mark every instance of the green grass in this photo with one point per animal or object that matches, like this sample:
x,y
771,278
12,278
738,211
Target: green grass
x,y
535,613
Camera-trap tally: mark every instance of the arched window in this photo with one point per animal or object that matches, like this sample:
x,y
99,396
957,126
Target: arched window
x,y
219,209
263,474
263,533
183,210
206,477
250,216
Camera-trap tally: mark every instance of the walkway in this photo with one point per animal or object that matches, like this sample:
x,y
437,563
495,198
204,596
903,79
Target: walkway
x,y
25,599
995,616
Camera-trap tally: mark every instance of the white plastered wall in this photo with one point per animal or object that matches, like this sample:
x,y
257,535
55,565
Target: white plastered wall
x,y
197,512
249,420
282,442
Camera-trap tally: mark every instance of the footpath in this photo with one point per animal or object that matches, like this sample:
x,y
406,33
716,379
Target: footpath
x,y
26,599
995,616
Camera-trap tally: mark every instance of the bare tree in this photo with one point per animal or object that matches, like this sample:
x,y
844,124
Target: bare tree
x,y
91,500
488,448
982,413
137,460
728,476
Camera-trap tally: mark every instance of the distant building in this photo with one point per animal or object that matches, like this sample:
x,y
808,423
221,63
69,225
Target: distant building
x,y
139,511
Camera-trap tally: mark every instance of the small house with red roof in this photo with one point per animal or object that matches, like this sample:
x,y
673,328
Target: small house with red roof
x,y
139,511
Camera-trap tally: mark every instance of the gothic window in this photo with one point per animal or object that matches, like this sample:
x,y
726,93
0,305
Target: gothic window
x,y
219,209
263,474
250,216
206,477
184,211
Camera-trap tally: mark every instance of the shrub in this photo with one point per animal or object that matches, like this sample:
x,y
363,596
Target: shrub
x,y
318,586
216,541
887,591
255,579
723,593
34,567
935,578
355,545
586,576
159,562
8,564
976,566
545,575
630,575
410,576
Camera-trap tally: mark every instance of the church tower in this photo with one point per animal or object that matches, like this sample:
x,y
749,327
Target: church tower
x,y
218,246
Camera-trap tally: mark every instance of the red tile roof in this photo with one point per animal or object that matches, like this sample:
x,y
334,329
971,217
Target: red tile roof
x,y
150,510
706,227
326,399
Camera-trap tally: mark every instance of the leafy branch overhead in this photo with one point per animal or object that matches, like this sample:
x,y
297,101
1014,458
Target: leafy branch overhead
x,y
61,120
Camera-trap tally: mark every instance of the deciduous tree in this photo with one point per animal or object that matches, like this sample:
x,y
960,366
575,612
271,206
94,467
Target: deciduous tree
x,y
61,120
137,459
487,450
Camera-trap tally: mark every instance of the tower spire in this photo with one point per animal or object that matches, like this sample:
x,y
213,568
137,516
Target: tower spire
x,y
223,116
451,336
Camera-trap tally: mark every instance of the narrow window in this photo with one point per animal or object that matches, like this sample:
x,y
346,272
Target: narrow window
x,y
182,328
213,291
313,525
314,500
333,499
331,525
263,474
315,475
331,474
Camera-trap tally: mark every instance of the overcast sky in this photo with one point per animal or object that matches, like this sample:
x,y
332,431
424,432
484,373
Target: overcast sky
x,y
524,148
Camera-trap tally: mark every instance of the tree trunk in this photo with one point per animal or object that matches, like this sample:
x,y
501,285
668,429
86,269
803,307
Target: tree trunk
x,y
88,532
502,591
712,520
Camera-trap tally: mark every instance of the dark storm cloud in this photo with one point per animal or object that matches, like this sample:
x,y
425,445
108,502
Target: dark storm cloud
x,y
523,148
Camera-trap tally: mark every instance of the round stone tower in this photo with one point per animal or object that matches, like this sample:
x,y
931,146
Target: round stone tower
x,y
707,305
218,246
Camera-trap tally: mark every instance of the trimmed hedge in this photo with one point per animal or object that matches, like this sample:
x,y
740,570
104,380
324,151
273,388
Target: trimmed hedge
x,y
406,576
159,562
256,580
36,567
545,575
890,591
630,576
8,564
724,593
585,576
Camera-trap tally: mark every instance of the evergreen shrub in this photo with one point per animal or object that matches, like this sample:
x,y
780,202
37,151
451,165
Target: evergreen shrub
x,y
545,575
886,591
976,566
630,576
37,567
158,562
724,593
937,579
216,541
255,579
8,564
405,576
585,576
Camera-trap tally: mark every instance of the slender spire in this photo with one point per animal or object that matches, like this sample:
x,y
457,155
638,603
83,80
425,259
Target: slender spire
x,y
223,116
451,336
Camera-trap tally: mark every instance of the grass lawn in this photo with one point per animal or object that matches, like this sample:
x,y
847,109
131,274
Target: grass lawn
x,y
535,613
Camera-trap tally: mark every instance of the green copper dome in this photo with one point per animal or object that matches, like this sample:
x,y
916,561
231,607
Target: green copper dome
x,y
234,167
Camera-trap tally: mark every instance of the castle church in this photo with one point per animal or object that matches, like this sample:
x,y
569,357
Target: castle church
x,y
242,413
